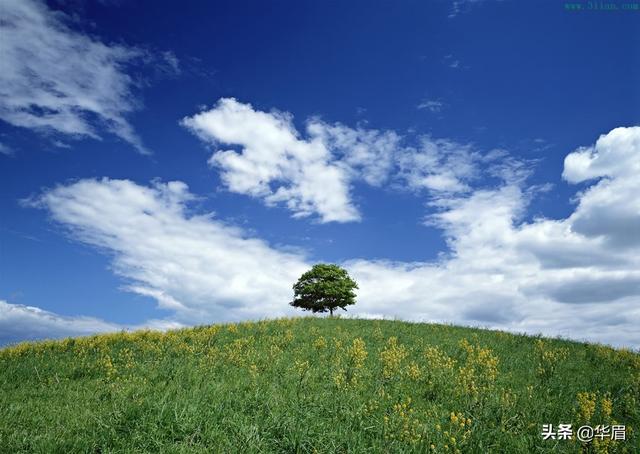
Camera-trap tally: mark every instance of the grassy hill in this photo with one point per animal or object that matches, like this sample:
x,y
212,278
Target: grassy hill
x,y
313,385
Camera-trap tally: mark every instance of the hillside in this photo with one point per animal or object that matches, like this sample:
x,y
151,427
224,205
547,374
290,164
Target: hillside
x,y
313,385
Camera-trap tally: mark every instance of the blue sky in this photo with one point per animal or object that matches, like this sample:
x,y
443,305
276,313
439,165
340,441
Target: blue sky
x,y
472,162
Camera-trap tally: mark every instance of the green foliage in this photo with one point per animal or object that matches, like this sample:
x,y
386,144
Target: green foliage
x,y
313,385
323,288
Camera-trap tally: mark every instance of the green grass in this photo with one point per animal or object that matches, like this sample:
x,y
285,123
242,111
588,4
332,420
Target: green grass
x,y
313,385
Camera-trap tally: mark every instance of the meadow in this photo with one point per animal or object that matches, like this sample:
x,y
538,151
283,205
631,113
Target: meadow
x,y
312,385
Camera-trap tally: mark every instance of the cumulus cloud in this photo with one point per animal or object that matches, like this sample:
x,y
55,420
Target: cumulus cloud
x,y
613,155
365,154
541,276
315,175
561,277
610,209
56,79
20,323
439,165
274,163
194,265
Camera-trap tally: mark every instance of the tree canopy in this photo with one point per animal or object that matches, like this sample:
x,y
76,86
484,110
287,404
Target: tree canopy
x,y
323,288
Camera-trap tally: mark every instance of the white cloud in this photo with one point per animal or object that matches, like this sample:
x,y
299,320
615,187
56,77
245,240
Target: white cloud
x,y
496,276
451,61
6,150
274,163
560,277
56,79
19,323
194,265
171,62
613,155
608,211
556,277
438,165
432,105
315,175
366,154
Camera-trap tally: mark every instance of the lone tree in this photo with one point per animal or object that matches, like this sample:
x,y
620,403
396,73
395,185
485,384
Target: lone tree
x,y
324,288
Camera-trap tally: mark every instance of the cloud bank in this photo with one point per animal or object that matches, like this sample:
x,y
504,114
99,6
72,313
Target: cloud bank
x,y
314,174
20,323
192,264
275,164
55,79
576,277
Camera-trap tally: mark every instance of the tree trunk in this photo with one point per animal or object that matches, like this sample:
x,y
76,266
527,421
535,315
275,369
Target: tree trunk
x,y
330,312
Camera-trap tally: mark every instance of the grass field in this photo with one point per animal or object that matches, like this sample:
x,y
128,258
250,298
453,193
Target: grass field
x,y
314,385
